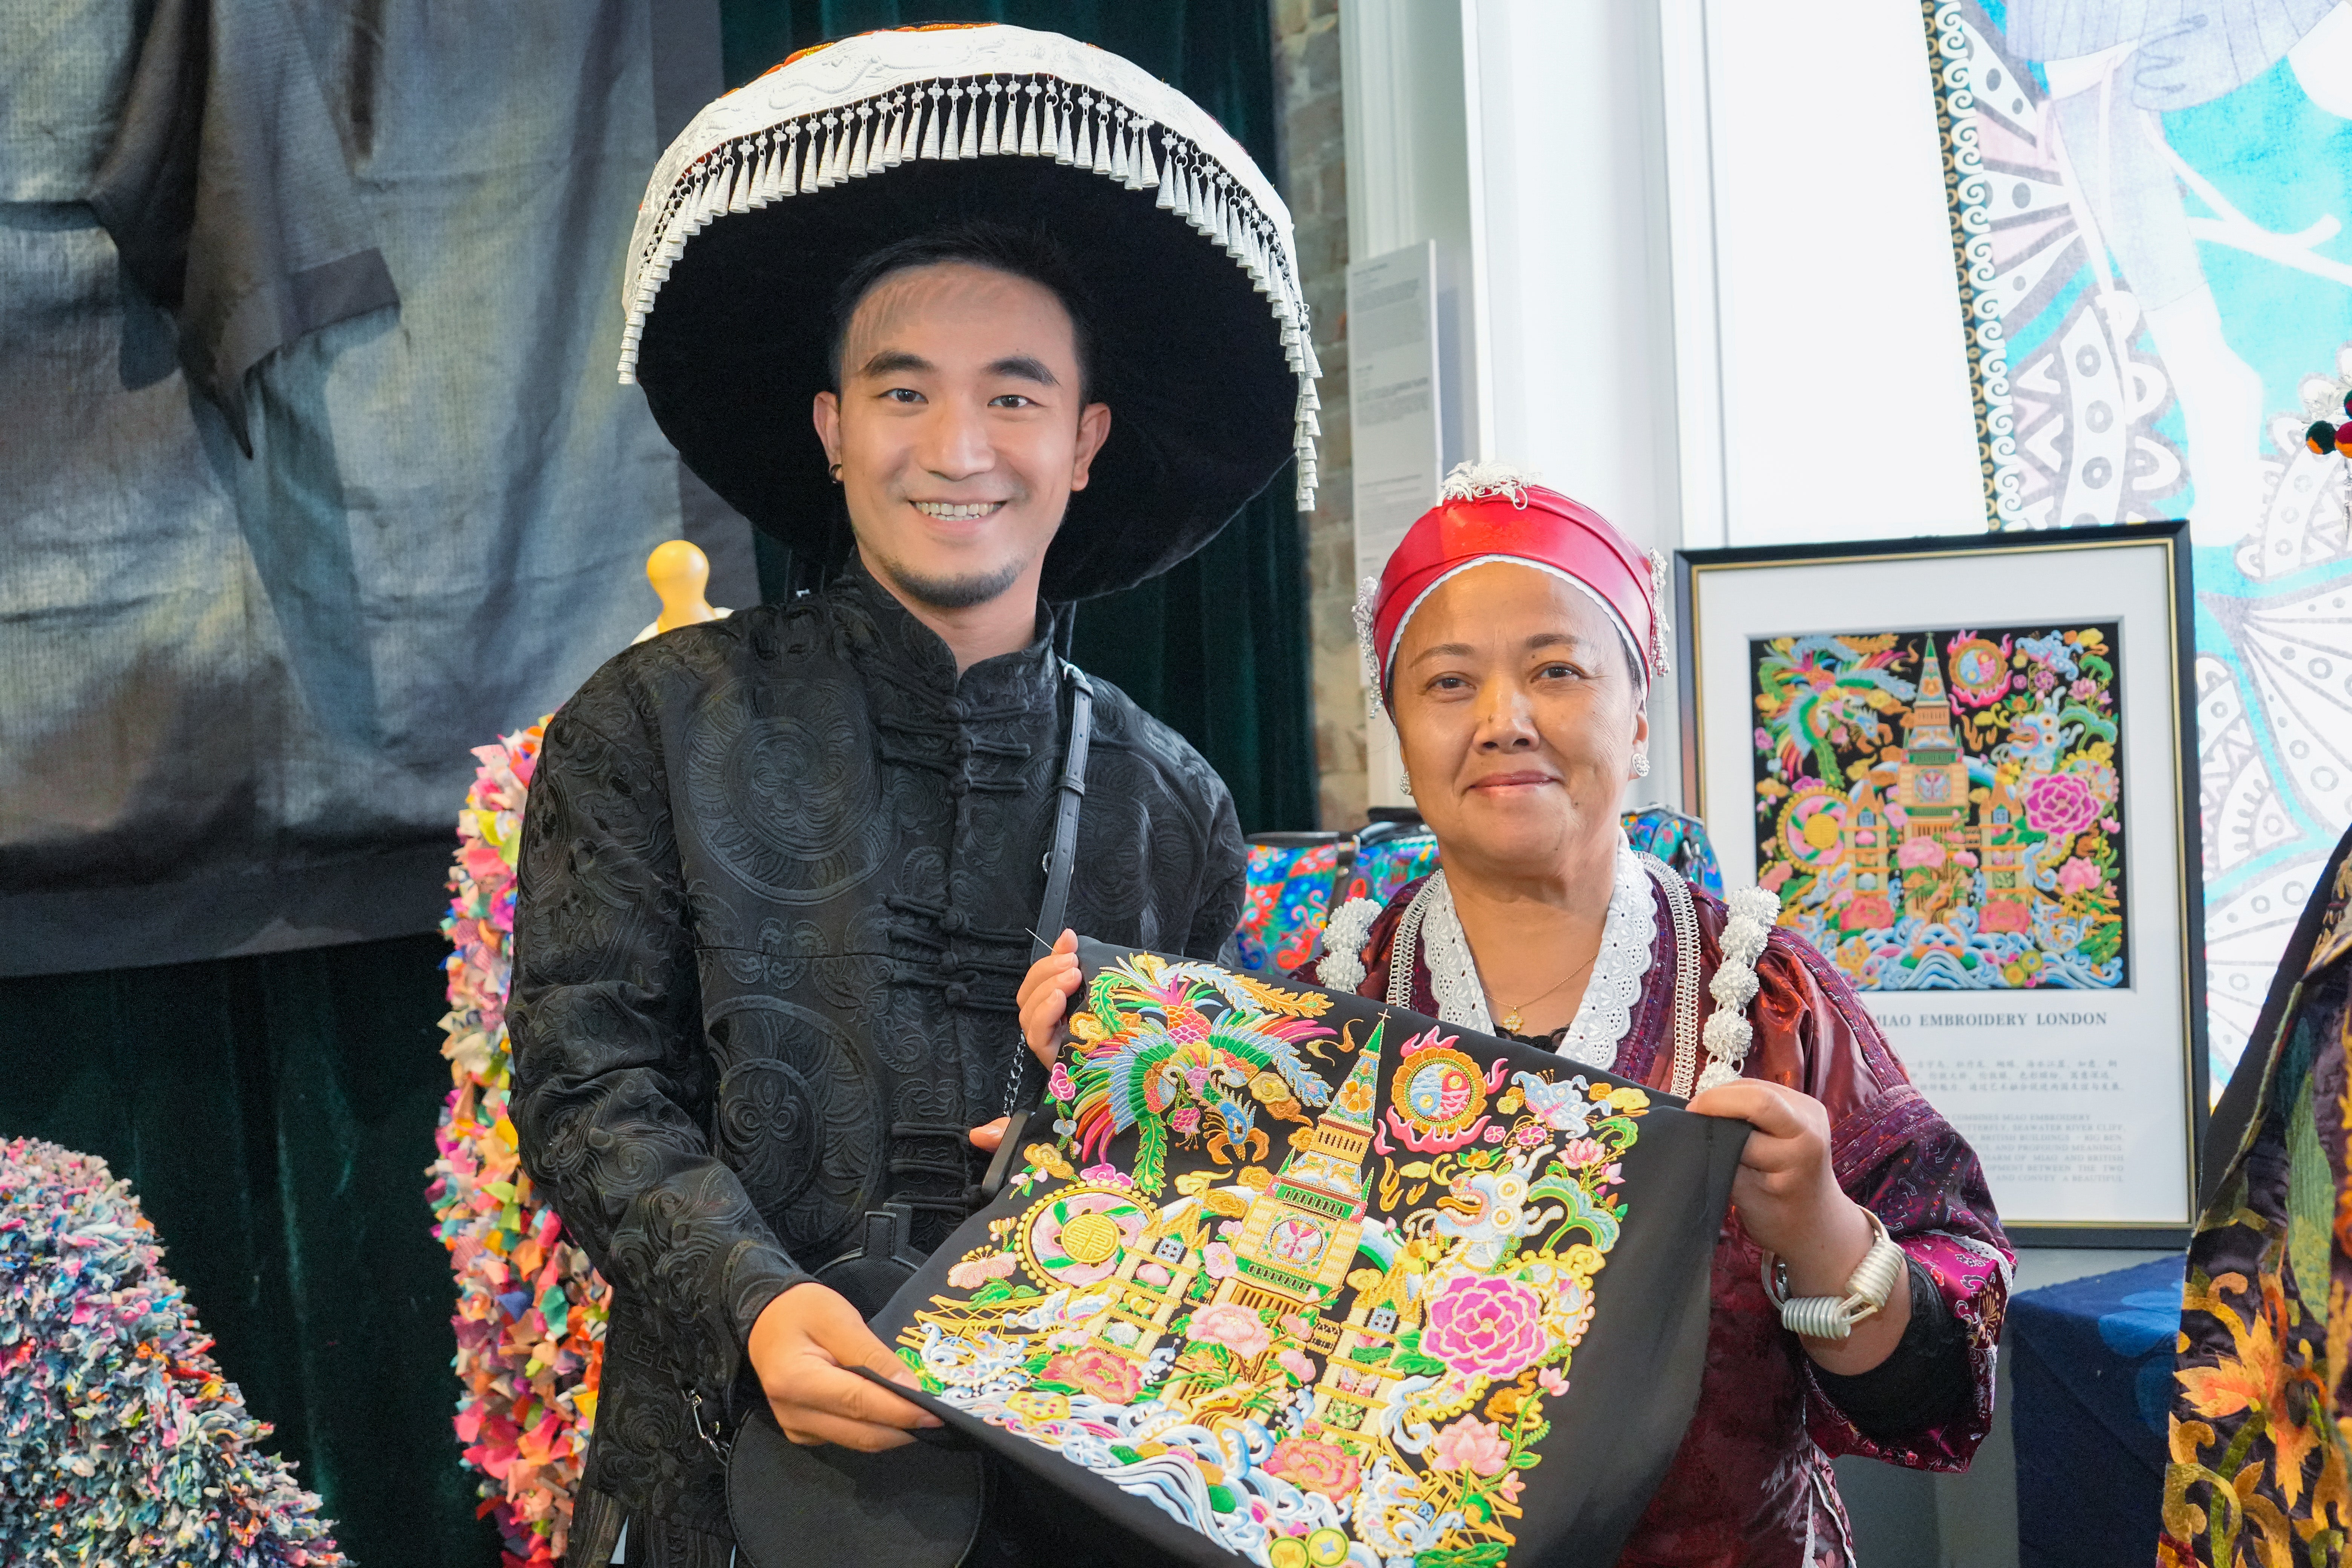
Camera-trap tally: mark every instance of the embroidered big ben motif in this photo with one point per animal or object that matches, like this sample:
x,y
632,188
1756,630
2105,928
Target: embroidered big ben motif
x,y
1290,1277
1298,1236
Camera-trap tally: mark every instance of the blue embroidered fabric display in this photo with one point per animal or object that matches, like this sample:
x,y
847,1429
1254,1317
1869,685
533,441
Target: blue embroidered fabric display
x,y
2092,1361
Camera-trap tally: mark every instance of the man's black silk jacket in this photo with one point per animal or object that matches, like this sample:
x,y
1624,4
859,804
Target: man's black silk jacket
x,y
775,877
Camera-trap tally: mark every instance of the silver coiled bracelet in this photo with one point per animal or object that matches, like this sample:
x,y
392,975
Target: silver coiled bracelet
x,y
1834,1317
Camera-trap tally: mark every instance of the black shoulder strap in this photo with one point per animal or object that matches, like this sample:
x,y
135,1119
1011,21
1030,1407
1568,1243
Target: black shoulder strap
x,y
1062,856
1064,851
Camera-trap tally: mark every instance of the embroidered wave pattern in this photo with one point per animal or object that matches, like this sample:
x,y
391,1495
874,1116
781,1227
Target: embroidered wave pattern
x,y
1333,1346
531,1310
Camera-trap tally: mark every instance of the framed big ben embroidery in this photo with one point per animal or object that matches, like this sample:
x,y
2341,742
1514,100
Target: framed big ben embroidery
x,y
1966,766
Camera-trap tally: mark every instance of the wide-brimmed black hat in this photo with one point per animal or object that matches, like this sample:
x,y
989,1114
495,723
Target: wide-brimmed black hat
x,y
1180,247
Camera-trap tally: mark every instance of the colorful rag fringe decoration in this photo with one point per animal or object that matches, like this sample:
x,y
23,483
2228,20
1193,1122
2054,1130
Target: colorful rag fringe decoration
x,y
120,1440
530,1309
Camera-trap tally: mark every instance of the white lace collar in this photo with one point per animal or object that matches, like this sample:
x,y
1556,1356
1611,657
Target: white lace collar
x,y
1604,1014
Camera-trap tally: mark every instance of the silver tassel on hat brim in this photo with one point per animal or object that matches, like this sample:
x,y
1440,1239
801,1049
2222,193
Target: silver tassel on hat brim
x,y
742,154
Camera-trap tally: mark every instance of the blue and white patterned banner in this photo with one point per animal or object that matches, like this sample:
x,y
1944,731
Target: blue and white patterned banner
x,y
2148,215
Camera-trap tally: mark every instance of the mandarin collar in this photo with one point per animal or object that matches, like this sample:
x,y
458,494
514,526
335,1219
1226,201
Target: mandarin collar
x,y
1025,675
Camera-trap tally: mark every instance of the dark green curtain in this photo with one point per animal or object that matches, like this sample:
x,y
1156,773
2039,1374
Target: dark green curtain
x,y
1218,647
275,1116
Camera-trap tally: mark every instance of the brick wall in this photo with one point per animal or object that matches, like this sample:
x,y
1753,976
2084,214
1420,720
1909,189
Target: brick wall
x,y
1314,180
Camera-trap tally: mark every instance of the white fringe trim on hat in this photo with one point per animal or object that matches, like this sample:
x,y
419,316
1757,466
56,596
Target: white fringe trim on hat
x,y
866,105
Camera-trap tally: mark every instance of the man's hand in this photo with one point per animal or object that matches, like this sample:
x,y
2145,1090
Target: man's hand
x,y
1790,1205
1044,994
800,1346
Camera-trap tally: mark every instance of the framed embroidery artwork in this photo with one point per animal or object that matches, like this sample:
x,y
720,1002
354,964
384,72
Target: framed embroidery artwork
x,y
1966,767
1914,785
1288,1277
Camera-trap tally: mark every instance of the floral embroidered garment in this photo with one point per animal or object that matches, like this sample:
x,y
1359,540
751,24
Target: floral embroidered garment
x,y
2262,1420
1309,1281
1751,1483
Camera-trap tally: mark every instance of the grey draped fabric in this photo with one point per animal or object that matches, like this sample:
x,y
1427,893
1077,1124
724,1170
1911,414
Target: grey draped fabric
x,y
227,197
238,694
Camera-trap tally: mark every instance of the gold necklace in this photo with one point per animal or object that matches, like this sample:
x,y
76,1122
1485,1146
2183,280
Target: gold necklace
x,y
1511,1021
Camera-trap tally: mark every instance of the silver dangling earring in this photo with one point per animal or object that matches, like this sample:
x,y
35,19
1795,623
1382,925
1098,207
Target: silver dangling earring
x,y
1641,764
1404,783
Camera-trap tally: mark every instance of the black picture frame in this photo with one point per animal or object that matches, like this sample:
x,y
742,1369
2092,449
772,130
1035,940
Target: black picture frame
x,y
1691,567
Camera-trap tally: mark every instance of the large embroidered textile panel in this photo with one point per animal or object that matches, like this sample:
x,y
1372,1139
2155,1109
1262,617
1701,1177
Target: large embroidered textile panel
x,y
1291,1276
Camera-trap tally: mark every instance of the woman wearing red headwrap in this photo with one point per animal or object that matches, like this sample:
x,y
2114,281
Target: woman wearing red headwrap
x,y
1513,638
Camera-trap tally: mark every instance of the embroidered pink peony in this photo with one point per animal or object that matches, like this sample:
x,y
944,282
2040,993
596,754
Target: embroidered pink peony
x,y
1484,1326
1153,1273
2003,914
1097,1371
1295,1365
1471,1445
1057,1083
1237,1328
1552,1381
973,1272
1184,1118
2078,875
1919,853
2060,805
1314,1467
1217,1261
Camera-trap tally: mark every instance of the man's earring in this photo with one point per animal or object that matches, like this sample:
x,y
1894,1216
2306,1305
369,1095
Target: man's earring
x,y
833,473
1641,764
1404,783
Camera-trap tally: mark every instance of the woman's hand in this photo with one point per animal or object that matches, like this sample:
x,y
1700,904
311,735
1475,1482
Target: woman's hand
x,y
1044,994
1790,1205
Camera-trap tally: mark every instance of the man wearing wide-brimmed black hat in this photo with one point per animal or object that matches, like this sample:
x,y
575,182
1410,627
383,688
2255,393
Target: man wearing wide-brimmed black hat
x,y
997,322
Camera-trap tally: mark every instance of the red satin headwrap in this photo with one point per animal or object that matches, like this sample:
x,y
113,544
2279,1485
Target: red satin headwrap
x,y
1489,514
